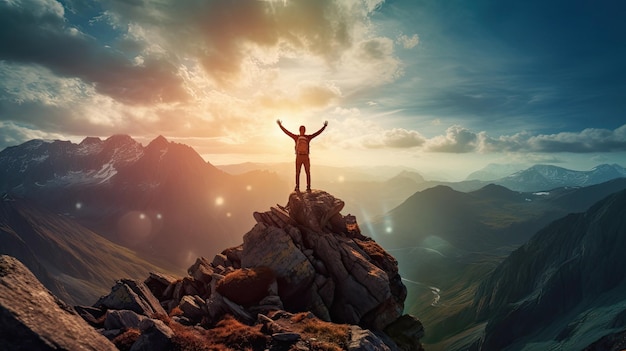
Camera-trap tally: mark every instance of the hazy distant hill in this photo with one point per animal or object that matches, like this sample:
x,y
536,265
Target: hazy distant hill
x,y
564,289
163,199
75,263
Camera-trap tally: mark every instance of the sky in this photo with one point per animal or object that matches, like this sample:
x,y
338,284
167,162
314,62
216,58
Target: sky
x,y
441,86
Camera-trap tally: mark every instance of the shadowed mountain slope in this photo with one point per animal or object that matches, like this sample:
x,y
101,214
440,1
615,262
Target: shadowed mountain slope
x,y
565,288
76,264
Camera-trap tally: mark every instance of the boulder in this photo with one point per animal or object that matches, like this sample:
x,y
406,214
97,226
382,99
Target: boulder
x,y
158,283
313,209
122,319
272,247
128,294
155,336
190,307
31,318
365,340
406,332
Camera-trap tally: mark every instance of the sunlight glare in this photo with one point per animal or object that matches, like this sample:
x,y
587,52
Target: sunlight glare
x,y
79,205
341,179
219,201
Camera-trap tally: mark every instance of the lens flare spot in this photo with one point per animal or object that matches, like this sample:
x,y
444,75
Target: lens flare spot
x,y
228,214
142,216
388,230
341,179
219,201
79,205
249,187
159,216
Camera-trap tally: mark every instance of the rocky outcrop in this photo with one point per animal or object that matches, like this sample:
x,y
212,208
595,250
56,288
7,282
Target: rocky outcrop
x,y
303,278
31,318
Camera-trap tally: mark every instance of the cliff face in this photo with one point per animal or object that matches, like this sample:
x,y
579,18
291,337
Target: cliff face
x,y
304,278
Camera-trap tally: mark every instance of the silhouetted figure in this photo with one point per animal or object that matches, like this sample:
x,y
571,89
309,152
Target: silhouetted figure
x,y
302,152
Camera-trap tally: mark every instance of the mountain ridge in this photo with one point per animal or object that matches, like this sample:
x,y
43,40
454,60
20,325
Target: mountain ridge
x,y
551,285
163,200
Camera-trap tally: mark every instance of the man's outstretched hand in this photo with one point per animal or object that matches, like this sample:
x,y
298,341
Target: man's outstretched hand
x,y
279,122
325,123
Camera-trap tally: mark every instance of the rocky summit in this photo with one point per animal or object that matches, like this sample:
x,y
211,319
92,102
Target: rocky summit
x,y
304,278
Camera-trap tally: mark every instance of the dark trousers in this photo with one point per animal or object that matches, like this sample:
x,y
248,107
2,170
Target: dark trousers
x,y
303,160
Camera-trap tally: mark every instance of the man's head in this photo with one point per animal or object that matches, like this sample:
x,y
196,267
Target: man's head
x,y
302,130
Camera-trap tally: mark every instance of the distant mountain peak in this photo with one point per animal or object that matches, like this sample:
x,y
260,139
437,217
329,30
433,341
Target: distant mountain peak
x,y
159,143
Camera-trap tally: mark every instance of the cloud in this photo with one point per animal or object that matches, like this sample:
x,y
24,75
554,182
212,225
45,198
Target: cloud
x,y
408,42
456,140
36,32
394,138
587,141
13,134
223,35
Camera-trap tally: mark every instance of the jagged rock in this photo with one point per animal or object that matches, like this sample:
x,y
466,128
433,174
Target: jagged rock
x,y
201,270
31,318
221,260
90,314
233,254
272,247
406,332
216,307
158,283
155,336
128,294
365,340
122,319
313,209
190,307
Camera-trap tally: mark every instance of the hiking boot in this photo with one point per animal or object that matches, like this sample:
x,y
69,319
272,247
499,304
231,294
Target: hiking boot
x,y
297,189
308,190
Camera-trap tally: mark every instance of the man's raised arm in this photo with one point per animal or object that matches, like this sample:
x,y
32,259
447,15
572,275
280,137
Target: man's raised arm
x,y
319,131
280,124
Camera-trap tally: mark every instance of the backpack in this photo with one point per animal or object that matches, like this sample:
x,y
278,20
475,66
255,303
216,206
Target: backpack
x,y
302,145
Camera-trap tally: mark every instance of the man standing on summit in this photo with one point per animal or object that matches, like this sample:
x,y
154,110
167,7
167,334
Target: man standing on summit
x,y
302,152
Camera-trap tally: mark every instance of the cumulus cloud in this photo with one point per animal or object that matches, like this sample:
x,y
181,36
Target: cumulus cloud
x,y
456,140
394,138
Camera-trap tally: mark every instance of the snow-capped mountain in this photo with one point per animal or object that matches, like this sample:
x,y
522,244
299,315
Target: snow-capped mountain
x,y
494,171
546,177
162,199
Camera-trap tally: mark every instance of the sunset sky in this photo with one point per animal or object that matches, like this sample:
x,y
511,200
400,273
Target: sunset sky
x,y
439,86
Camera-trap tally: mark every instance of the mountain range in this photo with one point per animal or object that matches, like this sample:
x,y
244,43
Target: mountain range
x,y
162,200
446,242
78,214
